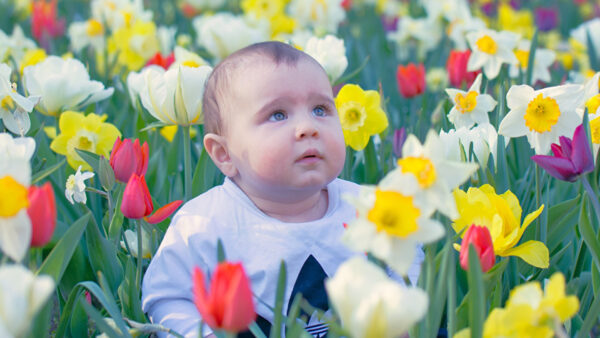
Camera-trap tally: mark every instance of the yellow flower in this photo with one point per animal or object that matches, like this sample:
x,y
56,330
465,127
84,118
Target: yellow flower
x,y
501,214
515,21
134,45
168,132
32,57
89,133
360,115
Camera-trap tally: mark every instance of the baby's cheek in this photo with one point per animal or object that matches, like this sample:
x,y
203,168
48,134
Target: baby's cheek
x,y
269,162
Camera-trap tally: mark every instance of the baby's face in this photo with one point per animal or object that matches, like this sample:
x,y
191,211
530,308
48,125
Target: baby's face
x,y
282,129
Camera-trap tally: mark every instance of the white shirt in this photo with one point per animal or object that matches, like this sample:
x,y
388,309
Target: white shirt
x,y
249,236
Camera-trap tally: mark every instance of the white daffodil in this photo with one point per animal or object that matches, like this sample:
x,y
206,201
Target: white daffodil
x,y
591,101
392,222
224,33
448,9
436,78
15,45
424,33
542,115
544,58
23,294
483,137
470,107
175,96
14,108
330,52
75,186
62,85
87,33
132,243
120,13
324,16
591,27
490,49
15,177
186,58
166,38
370,304
436,175
459,27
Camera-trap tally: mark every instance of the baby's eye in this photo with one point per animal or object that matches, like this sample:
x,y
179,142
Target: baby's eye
x,y
319,111
277,116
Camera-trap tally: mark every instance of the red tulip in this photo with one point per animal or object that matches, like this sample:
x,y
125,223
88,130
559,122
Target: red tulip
x,y
228,303
411,80
164,212
137,202
44,23
162,61
481,239
42,213
457,69
128,158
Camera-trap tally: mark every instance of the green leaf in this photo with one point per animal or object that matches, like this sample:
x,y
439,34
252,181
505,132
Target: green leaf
x,y
590,319
106,174
116,223
221,257
591,51
41,322
129,294
99,320
279,295
102,254
476,297
436,308
206,174
588,234
531,59
157,124
58,259
90,158
47,172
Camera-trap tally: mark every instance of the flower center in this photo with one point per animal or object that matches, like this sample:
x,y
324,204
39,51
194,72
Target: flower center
x,y
94,28
394,213
595,128
541,114
70,185
487,45
190,63
522,57
7,103
593,104
466,103
352,115
13,197
421,167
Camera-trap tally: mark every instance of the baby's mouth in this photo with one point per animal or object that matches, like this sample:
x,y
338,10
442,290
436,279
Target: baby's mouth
x,y
310,155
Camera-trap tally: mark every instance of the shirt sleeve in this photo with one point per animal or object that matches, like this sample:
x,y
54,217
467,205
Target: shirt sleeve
x,y
167,295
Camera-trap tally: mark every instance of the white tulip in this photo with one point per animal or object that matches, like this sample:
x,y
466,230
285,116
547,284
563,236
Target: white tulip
x,y
62,85
330,52
324,16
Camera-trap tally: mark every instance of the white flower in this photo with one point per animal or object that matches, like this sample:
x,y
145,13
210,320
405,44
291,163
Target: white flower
x,y
15,45
459,27
63,85
23,294
75,186
324,16
591,101
14,108
542,115
483,137
470,107
371,304
132,242
135,81
490,50
330,52
544,58
15,154
392,222
166,38
187,58
175,96
87,33
449,9
223,33
591,27
426,33
119,13
436,78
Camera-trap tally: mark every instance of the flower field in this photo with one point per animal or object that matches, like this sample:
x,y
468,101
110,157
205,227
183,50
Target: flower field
x,y
472,126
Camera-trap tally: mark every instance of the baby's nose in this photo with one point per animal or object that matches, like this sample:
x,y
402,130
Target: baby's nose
x,y
306,128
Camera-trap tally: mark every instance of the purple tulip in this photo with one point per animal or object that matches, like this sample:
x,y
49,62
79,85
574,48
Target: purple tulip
x,y
398,142
571,158
546,18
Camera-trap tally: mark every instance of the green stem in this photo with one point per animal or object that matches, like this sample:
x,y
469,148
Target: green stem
x,y
138,276
540,229
592,196
187,162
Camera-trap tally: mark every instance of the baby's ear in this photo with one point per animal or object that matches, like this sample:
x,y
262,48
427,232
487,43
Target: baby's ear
x,y
216,146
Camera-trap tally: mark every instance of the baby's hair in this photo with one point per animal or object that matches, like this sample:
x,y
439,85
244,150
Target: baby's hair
x,y
218,82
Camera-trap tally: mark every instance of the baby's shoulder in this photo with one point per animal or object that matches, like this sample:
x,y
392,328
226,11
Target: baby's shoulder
x,y
344,187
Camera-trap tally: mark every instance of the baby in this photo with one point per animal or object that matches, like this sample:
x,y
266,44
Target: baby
x,y
272,128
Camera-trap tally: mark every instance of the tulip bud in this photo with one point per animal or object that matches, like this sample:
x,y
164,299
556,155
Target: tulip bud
x,y
457,69
411,80
137,202
127,158
42,213
481,239
228,303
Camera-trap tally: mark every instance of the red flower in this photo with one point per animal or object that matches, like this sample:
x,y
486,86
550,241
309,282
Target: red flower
x,y
159,60
411,80
346,4
457,69
44,23
128,158
164,212
137,202
42,213
481,239
228,303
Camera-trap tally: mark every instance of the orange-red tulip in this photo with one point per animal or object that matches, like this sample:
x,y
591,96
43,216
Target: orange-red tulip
x,y
137,202
127,158
42,213
411,80
164,212
228,304
457,69
481,239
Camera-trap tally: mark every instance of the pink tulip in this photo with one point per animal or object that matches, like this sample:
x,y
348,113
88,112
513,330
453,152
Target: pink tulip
x,y
127,158
481,239
42,213
164,212
457,69
137,202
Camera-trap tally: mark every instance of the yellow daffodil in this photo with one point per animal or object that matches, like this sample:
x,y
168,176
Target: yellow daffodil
x,y
360,115
501,214
520,22
32,57
134,45
470,107
370,303
89,133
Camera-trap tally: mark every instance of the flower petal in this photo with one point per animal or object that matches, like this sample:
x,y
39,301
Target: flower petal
x,y
532,252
